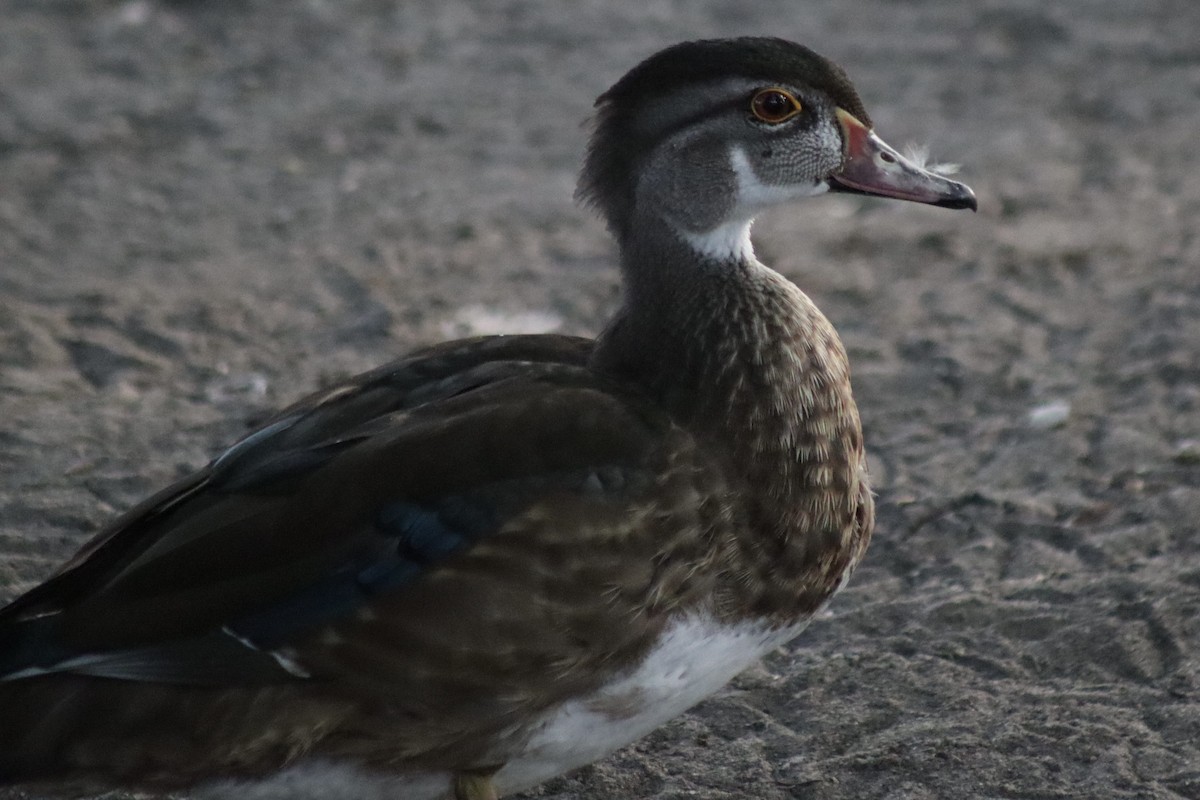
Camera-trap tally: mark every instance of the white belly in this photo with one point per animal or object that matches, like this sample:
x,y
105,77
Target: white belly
x,y
694,659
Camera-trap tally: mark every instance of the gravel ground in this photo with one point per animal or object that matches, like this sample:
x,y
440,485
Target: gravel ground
x,y
209,208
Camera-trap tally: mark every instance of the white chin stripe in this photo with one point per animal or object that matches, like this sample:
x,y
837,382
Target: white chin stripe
x,y
753,195
730,241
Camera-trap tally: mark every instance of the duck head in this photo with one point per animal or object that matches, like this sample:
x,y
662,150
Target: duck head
x,y
704,135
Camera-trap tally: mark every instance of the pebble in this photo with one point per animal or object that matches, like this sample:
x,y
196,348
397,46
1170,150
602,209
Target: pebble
x,y
1050,415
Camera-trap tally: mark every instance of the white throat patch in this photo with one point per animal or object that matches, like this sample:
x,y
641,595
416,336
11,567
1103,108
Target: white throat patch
x,y
730,241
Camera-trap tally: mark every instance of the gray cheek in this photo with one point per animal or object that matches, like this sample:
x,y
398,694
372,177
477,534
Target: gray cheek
x,y
691,185
810,157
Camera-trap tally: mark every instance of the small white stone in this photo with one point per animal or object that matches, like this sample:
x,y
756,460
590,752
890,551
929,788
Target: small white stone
x,y
479,320
1050,415
134,14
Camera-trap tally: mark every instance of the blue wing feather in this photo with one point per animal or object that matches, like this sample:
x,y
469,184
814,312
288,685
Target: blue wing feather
x,y
411,538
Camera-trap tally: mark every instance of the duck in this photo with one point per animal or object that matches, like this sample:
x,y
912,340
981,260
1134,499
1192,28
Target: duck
x,y
495,560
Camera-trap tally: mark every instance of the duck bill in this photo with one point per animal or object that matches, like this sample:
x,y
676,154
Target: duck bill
x,y
873,168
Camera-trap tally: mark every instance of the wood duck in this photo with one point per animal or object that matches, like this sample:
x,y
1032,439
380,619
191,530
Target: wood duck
x,y
498,559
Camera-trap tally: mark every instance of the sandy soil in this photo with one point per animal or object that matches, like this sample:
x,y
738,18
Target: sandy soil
x,y
209,208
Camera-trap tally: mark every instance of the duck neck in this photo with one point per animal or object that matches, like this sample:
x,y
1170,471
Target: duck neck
x,y
743,358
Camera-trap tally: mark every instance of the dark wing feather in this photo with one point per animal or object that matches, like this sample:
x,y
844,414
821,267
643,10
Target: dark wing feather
x,y
307,431
453,508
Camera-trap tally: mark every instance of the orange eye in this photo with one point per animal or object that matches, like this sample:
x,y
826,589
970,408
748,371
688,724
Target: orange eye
x,y
774,106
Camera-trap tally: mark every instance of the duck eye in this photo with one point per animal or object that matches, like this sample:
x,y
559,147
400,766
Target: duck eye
x,y
774,106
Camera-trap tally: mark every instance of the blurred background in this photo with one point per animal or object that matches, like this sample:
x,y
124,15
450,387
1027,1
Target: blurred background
x,y
209,208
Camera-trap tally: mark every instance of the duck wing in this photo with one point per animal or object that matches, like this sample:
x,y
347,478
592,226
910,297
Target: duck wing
x,y
482,514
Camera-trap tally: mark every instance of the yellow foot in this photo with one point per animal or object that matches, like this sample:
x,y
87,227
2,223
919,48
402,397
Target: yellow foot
x,y
475,786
